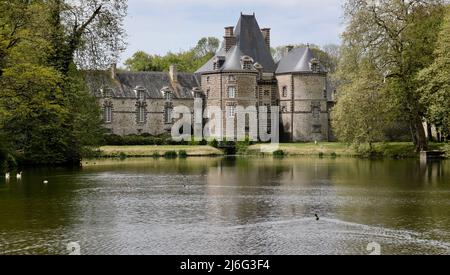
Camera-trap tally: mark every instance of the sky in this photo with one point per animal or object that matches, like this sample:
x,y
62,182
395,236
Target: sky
x,y
160,26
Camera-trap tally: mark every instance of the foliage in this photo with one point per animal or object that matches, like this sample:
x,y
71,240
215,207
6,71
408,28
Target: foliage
x,y
141,140
361,114
47,116
186,61
435,82
170,154
278,154
182,154
398,37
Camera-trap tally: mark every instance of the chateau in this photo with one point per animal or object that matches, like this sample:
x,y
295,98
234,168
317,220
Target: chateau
x,y
242,73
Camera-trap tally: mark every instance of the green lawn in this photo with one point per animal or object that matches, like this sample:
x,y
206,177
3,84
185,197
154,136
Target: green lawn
x,y
391,149
150,150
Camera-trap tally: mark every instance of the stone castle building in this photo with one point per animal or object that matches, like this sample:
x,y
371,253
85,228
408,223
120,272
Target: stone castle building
x,y
242,73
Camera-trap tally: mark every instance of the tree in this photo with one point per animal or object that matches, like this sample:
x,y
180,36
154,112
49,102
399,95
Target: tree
x,y
206,46
186,61
47,115
87,33
435,82
397,36
361,114
140,62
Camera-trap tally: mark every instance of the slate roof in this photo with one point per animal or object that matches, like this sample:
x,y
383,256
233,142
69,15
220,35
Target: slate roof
x,y
152,82
249,41
297,61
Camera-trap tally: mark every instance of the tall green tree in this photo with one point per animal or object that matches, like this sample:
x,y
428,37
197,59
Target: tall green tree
x,y
47,114
399,37
435,82
186,61
361,115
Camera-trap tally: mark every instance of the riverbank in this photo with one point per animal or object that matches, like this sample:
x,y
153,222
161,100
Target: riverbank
x,y
396,150
160,150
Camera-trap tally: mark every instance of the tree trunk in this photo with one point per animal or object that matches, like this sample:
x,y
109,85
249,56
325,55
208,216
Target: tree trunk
x,y
430,132
420,139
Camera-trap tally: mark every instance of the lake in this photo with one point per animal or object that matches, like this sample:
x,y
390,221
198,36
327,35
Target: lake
x,y
229,206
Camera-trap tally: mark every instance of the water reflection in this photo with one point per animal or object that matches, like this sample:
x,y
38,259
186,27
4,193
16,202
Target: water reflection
x,y
229,206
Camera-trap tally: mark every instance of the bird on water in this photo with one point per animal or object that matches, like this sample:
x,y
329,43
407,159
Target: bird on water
x,y
317,217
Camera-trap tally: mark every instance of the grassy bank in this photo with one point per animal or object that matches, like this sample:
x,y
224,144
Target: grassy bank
x,y
160,150
387,150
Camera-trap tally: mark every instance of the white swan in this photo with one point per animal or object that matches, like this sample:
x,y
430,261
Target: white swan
x,y
19,176
7,176
45,181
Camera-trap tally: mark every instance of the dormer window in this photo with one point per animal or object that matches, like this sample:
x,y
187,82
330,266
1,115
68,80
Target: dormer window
x,y
218,62
315,65
107,92
231,78
141,95
168,95
246,62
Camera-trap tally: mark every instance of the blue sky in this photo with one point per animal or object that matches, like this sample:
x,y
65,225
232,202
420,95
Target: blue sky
x,y
160,26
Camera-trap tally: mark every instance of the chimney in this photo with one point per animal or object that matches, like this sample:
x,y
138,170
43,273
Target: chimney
x,y
114,71
173,74
230,38
266,35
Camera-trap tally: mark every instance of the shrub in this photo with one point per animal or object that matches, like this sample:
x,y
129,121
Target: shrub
x,y
334,155
321,154
122,155
213,143
278,154
170,154
155,155
182,154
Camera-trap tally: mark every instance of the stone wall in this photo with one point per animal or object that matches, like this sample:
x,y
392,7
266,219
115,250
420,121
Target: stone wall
x,y
125,115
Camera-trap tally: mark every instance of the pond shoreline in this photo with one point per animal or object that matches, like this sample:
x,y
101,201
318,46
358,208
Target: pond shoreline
x,y
393,150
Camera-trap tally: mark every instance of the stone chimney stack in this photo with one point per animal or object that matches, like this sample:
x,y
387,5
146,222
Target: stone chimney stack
x,y
266,35
230,38
173,75
114,71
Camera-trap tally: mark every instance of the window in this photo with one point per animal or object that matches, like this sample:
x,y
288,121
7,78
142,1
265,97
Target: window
x,y
231,92
317,129
231,111
266,92
141,95
168,115
247,62
325,94
141,114
108,114
316,110
168,95
107,93
285,91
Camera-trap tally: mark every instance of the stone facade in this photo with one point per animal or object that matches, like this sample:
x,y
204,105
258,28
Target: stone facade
x,y
242,73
